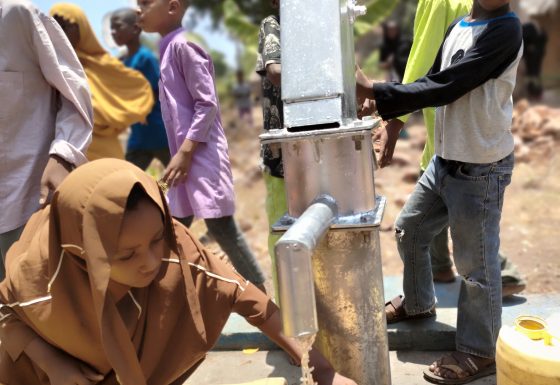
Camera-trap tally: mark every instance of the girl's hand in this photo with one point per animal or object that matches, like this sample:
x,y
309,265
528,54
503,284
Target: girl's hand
x,y
177,170
324,373
180,165
341,380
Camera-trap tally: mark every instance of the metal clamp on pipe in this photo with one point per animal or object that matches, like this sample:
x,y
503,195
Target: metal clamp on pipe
x,y
295,272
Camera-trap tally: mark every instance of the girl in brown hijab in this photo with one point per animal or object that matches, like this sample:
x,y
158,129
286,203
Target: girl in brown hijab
x,y
103,287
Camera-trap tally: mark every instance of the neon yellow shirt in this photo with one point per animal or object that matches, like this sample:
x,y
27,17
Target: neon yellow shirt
x,y
430,25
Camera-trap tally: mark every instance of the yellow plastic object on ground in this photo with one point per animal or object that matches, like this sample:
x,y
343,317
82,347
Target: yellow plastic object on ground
x,y
529,353
267,381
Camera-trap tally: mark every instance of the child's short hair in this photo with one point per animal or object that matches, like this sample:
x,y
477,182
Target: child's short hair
x,y
128,15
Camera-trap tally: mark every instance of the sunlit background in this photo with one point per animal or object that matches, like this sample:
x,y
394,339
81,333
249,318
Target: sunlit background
x,y
228,29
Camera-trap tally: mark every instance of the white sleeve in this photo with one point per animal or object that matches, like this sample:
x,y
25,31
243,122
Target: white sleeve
x,y
72,136
62,70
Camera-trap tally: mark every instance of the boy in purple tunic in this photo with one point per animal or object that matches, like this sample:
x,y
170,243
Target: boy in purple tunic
x,y
199,173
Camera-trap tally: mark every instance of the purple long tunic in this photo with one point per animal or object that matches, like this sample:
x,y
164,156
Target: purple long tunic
x,y
190,109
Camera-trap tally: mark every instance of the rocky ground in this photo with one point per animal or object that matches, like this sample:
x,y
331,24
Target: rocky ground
x,y
531,216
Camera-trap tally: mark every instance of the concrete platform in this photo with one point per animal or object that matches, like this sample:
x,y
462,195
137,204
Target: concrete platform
x,y
439,333
432,334
237,367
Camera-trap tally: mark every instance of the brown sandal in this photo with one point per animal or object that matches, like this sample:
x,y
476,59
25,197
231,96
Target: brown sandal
x,y
395,312
466,367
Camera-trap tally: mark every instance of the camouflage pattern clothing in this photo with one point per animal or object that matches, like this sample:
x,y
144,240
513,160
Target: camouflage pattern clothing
x,y
269,53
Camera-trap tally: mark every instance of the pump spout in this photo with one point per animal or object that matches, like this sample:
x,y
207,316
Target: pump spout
x,y
294,268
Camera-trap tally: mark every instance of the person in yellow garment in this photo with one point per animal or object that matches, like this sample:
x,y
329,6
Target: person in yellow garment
x,y
121,96
430,24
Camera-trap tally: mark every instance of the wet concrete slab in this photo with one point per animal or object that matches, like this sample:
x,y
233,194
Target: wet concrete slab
x,y
431,334
439,333
235,367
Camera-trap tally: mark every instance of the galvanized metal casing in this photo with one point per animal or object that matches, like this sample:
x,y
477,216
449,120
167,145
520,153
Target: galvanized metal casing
x,y
318,89
342,167
318,83
350,305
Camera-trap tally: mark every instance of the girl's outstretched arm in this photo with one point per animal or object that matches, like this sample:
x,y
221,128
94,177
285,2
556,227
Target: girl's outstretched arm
x,y
324,373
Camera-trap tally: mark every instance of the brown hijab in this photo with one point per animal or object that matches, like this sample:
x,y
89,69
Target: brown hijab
x,y
58,276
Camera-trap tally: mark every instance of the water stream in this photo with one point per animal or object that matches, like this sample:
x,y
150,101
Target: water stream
x,y
305,344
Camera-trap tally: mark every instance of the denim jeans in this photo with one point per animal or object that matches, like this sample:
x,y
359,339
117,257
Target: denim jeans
x,y
439,252
226,232
469,197
441,260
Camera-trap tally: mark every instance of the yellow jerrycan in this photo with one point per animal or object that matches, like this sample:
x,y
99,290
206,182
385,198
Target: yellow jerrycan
x,y
529,352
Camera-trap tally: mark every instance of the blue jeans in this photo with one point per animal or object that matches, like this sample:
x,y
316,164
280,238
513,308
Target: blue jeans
x,y
469,197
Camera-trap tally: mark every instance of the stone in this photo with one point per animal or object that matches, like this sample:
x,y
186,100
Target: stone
x,y
400,160
386,227
552,128
410,176
254,174
523,153
530,123
399,202
244,225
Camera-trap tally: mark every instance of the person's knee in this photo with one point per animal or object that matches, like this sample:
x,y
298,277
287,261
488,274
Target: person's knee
x,y
399,233
410,233
411,216
402,228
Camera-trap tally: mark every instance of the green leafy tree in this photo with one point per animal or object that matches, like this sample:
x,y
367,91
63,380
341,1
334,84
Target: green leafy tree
x,y
241,19
242,29
377,11
255,10
243,24
220,65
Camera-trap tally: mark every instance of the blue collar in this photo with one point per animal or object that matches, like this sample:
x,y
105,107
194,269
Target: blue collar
x,y
464,23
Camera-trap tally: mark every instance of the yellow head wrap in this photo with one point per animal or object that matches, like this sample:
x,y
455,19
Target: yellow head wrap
x,y
121,96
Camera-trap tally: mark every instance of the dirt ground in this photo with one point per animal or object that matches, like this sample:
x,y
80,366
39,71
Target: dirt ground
x,y
530,221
